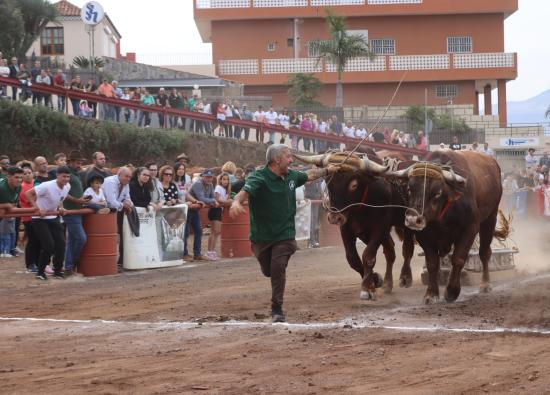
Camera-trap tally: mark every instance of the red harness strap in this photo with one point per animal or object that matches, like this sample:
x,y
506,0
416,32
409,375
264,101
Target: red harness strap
x,y
445,208
365,194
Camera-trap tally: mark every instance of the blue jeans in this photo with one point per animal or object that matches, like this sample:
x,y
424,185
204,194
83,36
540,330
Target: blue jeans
x,y
76,239
193,221
6,243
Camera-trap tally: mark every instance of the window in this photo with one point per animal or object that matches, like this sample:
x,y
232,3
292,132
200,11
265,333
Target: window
x,y
311,51
459,44
383,46
271,47
51,41
290,42
446,91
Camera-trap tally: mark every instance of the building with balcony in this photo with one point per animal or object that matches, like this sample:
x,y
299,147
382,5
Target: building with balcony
x,y
453,50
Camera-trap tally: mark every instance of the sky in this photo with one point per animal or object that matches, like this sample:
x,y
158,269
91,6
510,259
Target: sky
x,y
166,31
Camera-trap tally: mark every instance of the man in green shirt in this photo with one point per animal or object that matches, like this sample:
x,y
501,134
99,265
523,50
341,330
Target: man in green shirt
x,y
10,187
76,236
271,193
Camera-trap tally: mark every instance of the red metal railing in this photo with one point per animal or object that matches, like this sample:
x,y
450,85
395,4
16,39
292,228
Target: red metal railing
x,y
197,116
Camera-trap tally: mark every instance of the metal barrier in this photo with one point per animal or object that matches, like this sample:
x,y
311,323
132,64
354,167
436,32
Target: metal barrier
x,y
196,116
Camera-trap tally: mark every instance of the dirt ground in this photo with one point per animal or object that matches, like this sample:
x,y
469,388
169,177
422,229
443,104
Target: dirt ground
x,y
204,328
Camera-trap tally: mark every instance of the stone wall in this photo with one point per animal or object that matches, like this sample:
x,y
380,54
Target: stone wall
x,y
123,70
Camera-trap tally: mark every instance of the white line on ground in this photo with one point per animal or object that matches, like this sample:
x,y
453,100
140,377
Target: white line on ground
x,y
304,326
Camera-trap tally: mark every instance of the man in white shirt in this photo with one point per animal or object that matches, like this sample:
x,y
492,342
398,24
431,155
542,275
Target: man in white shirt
x,y
271,118
349,130
48,198
117,193
259,116
486,150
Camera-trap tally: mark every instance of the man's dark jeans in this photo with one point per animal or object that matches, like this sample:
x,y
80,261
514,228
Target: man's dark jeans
x,y
193,221
51,238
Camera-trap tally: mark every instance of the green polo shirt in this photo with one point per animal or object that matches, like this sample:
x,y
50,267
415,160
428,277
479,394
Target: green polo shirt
x,y
272,201
8,195
75,191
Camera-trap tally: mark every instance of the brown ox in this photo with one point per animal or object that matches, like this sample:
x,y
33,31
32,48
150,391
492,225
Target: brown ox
x,y
448,210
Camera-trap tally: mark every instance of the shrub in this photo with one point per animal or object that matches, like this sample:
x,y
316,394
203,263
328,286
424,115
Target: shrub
x,y
28,131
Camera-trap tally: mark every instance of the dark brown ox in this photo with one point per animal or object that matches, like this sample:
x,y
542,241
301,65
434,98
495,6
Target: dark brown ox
x,y
448,209
351,188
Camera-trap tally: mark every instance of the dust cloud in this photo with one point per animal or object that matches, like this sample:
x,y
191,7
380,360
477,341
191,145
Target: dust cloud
x,y
532,238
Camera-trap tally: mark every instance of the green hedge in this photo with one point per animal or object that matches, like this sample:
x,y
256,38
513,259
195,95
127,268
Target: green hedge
x,y
27,131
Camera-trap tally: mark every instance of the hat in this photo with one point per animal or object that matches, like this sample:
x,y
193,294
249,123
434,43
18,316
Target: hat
x,y
75,155
182,156
207,173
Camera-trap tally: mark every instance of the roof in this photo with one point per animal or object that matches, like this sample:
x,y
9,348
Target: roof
x,y
175,83
67,9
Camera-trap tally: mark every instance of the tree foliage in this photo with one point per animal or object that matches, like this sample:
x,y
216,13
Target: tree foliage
x,y
30,131
340,48
415,115
83,62
22,22
304,89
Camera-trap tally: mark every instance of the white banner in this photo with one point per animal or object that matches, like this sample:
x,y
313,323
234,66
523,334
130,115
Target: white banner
x,y
160,241
519,142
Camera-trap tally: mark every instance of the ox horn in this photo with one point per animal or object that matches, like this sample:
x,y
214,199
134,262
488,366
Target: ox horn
x,y
317,160
372,167
451,176
401,173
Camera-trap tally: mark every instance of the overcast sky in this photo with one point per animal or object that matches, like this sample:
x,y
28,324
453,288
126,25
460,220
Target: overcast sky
x,y
155,30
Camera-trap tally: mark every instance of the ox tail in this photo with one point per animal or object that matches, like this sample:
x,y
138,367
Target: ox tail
x,y
504,229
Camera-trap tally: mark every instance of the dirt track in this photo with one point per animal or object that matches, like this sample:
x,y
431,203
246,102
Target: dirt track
x,y
204,329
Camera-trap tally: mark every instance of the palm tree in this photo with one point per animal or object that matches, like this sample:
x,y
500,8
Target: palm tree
x,y
304,89
35,15
339,49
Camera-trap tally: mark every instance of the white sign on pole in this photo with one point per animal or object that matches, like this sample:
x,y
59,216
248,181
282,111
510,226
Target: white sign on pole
x,y
92,13
520,142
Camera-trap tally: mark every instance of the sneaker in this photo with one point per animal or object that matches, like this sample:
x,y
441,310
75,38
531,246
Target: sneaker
x,y
48,270
278,317
277,314
214,256
68,272
104,210
41,277
200,258
19,250
12,254
59,275
187,258
32,269
2,255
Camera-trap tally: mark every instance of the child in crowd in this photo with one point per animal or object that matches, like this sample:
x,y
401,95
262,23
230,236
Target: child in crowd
x,y
97,197
222,194
85,111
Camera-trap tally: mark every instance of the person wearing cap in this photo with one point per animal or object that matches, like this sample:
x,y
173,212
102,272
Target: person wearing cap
x,y
76,236
203,191
271,194
183,158
47,198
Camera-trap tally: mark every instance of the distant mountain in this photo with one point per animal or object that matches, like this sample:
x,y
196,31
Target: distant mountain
x,y
529,111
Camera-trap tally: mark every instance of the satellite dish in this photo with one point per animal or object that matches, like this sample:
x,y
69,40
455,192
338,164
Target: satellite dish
x,y
92,13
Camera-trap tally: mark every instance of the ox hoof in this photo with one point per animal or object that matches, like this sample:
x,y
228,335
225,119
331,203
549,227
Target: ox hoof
x,y
387,287
378,281
405,282
368,295
451,294
431,299
485,288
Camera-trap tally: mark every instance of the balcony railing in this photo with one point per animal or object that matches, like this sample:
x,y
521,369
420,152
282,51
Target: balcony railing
x,y
291,65
206,4
483,60
363,64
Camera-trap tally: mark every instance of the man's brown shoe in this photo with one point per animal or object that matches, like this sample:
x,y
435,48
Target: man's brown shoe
x,y
200,258
187,258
